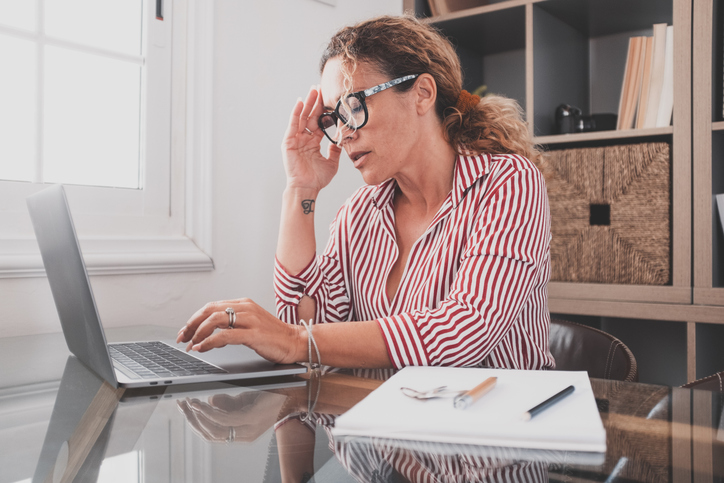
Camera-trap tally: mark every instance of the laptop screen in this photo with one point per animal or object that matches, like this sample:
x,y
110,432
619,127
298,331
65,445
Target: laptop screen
x,y
69,283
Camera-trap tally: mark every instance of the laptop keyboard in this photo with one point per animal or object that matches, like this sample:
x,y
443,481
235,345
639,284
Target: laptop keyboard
x,y
152,360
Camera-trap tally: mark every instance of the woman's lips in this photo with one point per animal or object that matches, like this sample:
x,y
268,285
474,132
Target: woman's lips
x,y
358,157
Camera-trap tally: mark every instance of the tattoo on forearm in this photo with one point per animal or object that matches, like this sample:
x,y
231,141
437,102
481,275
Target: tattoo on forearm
x,y
308,206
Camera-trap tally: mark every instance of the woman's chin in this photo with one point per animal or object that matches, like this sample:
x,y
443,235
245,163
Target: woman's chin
x,y
371,178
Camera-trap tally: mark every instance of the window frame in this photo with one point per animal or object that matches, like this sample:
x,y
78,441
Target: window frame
x,y
166,231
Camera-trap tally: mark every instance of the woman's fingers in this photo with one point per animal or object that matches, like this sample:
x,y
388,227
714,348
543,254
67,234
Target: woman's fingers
x,y
205,337
188,331
215,340
305,122
293,126
253,326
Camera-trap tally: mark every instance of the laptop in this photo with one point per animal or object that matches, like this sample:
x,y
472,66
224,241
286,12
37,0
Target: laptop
x,y
123,364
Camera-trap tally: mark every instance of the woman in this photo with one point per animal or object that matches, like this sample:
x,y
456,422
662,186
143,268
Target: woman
x,y
442,258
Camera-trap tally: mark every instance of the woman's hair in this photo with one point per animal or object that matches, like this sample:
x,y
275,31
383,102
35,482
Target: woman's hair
x,y
399,46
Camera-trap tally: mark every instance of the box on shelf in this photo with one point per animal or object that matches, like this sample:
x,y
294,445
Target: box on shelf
x,y
610,214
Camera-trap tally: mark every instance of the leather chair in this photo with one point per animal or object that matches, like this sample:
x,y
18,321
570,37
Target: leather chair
x,y
715,382
577,347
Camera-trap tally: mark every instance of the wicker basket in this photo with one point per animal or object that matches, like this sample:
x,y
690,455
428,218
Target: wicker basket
x,y
610,214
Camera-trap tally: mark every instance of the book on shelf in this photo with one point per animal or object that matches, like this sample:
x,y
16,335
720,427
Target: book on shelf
x,y
666,104
657,75
631,83
625,84
647,91
646,60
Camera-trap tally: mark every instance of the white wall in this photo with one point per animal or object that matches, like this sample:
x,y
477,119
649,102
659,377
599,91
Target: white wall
x,y
266,55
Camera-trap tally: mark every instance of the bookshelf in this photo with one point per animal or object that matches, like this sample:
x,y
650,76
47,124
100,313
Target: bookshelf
x,y
547,52
708,155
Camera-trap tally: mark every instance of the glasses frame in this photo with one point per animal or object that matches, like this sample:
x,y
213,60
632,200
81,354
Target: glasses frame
x,y
361,96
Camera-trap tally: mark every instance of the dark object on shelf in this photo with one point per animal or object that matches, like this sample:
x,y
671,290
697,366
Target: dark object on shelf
x,y
570,119
610,214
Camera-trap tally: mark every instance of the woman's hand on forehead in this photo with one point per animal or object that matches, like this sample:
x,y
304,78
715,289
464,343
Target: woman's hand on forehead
x,y
304,163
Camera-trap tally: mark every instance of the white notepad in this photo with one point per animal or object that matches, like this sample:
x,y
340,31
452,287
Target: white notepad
x,y
572,424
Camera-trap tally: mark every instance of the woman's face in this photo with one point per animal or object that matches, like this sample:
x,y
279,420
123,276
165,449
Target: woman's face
x,y
381,148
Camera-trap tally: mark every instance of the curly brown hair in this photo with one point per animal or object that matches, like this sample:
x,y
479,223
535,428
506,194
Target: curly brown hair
x,y
402,45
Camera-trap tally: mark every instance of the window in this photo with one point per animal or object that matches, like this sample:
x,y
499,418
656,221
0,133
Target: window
x,y
96,98
72,90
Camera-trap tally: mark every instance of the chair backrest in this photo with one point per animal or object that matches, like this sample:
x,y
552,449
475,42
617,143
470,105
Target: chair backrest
x,y
577,347
715,382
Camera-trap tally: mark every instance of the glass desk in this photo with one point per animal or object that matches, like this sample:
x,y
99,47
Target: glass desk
x,y
78,428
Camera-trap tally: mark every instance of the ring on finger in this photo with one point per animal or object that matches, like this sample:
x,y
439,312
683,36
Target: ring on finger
x,y
309,131
232,317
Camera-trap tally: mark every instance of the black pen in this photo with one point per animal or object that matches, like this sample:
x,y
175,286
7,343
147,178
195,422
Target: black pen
x,y
547,403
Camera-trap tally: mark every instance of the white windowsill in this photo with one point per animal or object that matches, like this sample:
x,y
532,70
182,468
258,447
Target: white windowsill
x,y
21,258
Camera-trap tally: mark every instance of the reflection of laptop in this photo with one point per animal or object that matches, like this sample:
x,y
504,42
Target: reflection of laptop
x,y
82,327
91,425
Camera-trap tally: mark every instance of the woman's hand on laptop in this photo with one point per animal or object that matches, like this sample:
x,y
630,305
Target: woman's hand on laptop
x,y
253,327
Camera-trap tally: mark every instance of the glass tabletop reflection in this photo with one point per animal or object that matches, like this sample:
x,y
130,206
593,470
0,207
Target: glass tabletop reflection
x,y
279,430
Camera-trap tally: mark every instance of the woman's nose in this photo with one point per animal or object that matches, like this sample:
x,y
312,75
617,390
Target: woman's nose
x,y
345,133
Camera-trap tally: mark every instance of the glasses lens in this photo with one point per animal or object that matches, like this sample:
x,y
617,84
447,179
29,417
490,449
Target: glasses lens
x,y
351,112
329,124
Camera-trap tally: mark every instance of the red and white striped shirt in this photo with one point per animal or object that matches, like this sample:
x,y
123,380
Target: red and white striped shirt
x,y
474,291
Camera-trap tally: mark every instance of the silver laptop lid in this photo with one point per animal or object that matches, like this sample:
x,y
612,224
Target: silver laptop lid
x,y
69,283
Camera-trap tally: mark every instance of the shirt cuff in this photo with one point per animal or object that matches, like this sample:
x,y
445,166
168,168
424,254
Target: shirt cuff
x,y
290,288
404,344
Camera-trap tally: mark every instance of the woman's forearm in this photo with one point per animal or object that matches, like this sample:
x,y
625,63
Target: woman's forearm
x,y
348,344
296,245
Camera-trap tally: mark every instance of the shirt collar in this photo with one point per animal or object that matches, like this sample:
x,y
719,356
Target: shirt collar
x,y
383,193
468,169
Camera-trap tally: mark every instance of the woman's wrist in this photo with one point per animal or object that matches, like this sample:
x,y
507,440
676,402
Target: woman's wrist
x,y
300,192
299,352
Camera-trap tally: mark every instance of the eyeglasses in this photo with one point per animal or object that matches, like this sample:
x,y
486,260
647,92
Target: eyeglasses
x,y
352,110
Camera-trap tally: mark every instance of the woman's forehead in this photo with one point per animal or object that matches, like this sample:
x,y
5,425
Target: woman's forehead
x,y
333,80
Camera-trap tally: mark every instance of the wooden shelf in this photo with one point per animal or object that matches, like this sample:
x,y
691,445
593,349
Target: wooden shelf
x,y
476,11
620,292
709,296
708,149
581,137
717,126
709,314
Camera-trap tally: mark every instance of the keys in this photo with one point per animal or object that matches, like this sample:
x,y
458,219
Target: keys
x,y
151,360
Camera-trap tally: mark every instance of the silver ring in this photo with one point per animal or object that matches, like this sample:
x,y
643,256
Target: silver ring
x,y
232,317
308,131
232,435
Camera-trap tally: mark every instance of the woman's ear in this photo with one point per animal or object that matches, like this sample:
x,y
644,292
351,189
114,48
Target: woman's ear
x,y
425,93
